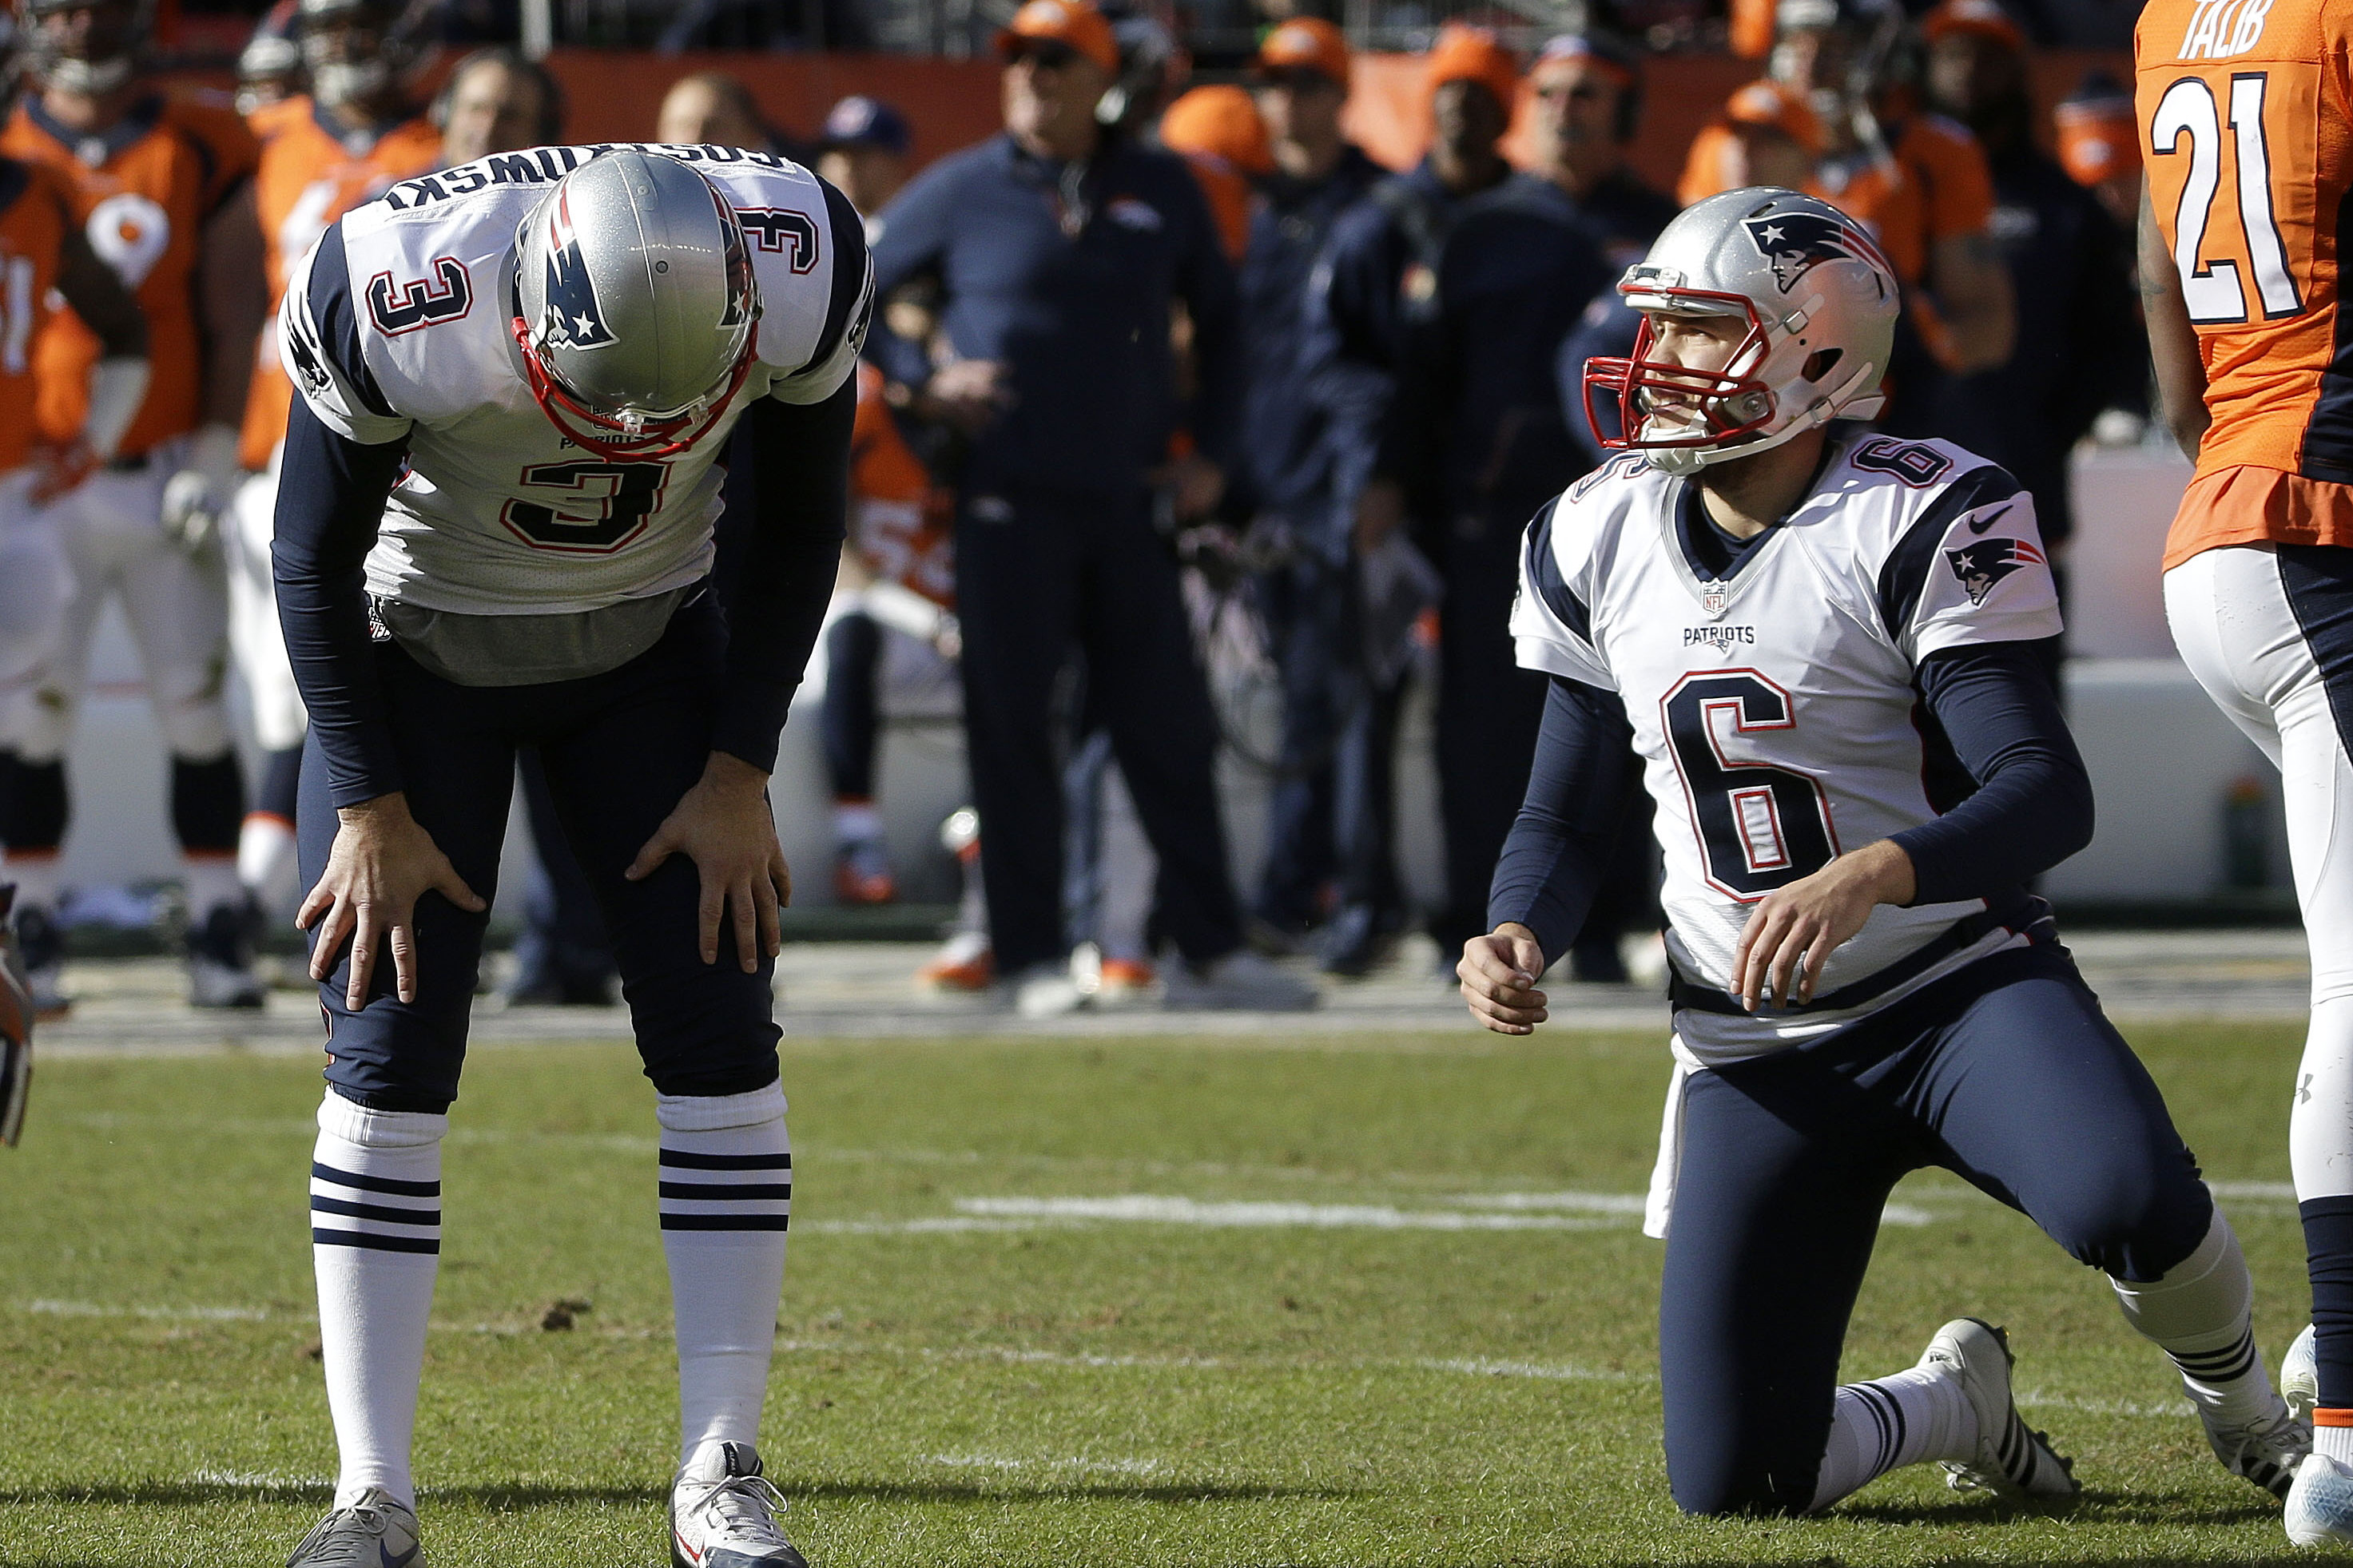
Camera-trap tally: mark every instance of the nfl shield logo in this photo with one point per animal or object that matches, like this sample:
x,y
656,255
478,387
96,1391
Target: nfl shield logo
x,y
1712,597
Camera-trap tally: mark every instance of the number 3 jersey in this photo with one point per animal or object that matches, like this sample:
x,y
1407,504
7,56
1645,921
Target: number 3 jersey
x,y
1773,707
395,327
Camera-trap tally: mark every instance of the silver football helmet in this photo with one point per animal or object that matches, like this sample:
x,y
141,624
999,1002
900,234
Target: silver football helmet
x,y
110,49
634,304
1819,300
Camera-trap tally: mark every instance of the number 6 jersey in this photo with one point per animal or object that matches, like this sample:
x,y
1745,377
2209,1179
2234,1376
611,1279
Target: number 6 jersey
x,y
396,328
1773,706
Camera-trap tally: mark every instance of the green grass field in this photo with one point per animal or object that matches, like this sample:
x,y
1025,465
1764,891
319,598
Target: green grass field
x,y
969,1372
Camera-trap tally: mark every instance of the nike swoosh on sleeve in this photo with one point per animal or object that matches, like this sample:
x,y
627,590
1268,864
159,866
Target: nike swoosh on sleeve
x,y
1980,524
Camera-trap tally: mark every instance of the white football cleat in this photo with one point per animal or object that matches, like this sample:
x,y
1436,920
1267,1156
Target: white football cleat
x,y
374,1532
2299,1379
2267,1451
2012,1459
1241,982
722,1513
1042,991
2320,1504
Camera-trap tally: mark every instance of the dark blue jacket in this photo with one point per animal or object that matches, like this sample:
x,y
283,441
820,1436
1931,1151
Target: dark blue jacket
x,y
1378,274
2079,350
1286,465
1478,428
1080,322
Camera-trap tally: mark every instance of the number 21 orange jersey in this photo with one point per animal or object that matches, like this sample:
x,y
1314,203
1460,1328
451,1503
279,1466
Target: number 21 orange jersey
x,y
144,190
2244,115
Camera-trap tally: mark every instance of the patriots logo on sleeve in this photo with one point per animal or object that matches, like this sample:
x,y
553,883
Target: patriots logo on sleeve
x,y
575,318
1795,243
1980,566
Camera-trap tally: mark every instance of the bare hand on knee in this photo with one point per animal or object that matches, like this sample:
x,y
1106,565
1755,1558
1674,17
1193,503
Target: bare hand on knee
x,y
723,825
382,863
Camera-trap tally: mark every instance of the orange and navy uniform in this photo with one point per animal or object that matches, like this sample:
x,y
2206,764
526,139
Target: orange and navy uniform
x,y
903,524
311,175
1233,199
2246,116
143,191
1939,187
35,216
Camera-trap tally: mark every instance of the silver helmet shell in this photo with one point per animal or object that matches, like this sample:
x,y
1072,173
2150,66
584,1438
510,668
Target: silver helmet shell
x,y
116,50
1819,300
635,303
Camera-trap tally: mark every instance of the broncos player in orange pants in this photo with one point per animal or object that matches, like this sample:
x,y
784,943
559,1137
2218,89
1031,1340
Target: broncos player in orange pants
x,y
150,180
2246,117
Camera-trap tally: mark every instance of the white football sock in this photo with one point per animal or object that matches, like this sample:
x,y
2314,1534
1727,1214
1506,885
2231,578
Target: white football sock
x,y
856,821
2201,1315
726,1197
1907,1418
265,859
212,881
375,1234
2334,1443
35,873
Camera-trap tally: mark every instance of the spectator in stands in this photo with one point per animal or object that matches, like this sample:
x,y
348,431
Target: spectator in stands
x,y
864,150
1918,179
2078,347
1284,484
713,108
1766,135
1061,254
497,101
1218,129
2099,143
1378,276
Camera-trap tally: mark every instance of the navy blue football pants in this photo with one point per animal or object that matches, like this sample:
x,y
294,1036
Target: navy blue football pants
x,y
2005,1074
619,750
1039,574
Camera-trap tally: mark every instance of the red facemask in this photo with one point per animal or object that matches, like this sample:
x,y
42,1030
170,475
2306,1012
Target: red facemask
x,y
1634,379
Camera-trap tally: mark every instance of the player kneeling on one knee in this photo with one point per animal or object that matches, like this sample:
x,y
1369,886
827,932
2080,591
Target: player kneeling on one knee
x,y
494,531
1823,644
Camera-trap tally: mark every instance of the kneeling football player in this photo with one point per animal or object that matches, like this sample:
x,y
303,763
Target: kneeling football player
x,y
1825,646
494,531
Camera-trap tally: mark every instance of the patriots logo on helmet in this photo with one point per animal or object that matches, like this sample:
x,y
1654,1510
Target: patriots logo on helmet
x,y
575,318
1980,566
1796,242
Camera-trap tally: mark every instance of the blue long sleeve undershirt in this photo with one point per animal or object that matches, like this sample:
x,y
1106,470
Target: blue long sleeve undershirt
x,y
2031,807
331,491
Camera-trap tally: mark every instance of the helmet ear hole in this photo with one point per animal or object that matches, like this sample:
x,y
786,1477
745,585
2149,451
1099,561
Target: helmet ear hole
x,y
1821,362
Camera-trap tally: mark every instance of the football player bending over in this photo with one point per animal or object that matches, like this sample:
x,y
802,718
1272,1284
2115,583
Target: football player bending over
x,y
494,530
1821,643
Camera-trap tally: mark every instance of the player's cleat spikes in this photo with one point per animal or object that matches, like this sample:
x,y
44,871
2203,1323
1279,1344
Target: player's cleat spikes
x,y
964,963
1242,982
41,948
2012,1459
862,873
2299,1379
374,1532
2320,1503
2267,1451
722,1513
220,962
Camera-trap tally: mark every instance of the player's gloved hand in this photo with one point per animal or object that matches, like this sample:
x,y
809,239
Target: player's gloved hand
x,y
724,826
1499,973
382,863
61,470
1793,931
197,497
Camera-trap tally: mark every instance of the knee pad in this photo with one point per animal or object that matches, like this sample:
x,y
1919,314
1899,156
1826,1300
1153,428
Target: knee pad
x,y
195,724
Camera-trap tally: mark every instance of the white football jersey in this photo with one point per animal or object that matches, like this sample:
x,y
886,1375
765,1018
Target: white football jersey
x,y
1774,713
398,326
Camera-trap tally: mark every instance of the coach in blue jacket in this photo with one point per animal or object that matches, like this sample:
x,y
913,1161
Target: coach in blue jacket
x,y
1058,252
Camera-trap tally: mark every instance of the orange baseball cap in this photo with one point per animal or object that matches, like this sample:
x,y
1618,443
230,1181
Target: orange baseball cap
x,y
1983,17
1463,53
1072,22
1219,122
1305,43
2099,138
1770,105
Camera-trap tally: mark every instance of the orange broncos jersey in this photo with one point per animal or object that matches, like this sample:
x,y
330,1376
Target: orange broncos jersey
x,y
309,177
1939,187
2246,112
36,214
902,524
143,193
